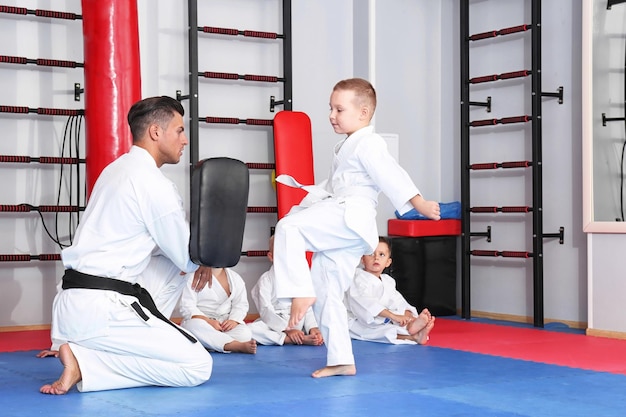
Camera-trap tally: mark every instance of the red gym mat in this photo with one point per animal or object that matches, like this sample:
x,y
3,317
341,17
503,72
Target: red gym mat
x,y
24,340
531,344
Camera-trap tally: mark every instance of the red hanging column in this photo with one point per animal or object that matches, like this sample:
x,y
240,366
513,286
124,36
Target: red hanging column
x,y
112,80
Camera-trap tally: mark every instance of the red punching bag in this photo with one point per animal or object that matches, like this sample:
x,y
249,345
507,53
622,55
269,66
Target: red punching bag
x,y
112,80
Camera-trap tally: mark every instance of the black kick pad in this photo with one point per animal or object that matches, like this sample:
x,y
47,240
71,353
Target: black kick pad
x,y
219,201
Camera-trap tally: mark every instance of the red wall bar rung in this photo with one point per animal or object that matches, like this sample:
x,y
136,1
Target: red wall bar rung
x,y
41,110
503,76
483,35
262,209
220,75
26,258
515,119
504,209
259,122
24,208
58,209
504,254
504,121
483,79
484,253
260,165
41,159
514,74
237,32
257,34
494,165
485,122
515,254
262,78
224,120
501,32
485,165
234,121
516,209
514,29
39,61
255,253
40,13
516,164
483,209
13,59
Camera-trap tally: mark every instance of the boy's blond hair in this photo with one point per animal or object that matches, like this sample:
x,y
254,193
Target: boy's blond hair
x,y
363,91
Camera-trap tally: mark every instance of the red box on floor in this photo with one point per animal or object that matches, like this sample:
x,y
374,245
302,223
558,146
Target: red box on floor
x,y
420,228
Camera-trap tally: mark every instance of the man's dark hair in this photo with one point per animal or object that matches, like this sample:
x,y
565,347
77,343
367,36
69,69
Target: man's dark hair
x,y
159,110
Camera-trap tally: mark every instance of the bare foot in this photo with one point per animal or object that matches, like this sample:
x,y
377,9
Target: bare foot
x,y
336,370
48,353
241,347
312,340
421,337
299,307
69,377
419,323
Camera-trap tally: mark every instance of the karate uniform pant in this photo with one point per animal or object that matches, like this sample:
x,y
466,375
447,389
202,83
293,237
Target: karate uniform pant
x,y
266,336
125,350
214,339
383,333
337,249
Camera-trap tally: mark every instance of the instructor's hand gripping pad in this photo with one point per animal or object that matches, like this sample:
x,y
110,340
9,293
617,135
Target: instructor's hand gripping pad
x,y
219,201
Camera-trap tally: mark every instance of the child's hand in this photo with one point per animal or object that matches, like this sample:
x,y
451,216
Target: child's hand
x,y
296,336
401,320
229,325
214,323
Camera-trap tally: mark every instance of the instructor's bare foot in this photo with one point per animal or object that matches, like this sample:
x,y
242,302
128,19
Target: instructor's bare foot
x,y
69,377
241,347
421,337
336,370
419,323
299,307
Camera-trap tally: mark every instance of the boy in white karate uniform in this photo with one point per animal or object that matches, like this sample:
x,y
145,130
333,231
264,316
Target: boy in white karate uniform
x,y
377,311
341,228
215,315
271,327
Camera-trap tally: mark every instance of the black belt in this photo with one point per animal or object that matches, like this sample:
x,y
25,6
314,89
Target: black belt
x,y
75,279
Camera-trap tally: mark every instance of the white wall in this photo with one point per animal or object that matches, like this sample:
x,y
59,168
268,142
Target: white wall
x,y
416,60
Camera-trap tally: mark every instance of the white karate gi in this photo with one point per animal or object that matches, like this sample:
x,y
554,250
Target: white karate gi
x,y
134,229
215,303
339,230
274,313
366,298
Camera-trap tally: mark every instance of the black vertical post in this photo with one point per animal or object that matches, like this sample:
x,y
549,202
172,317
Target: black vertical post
x,y
465,150
536,168
193,84
287,58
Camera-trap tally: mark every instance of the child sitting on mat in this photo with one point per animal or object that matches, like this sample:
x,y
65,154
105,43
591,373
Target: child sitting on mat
x,y
340,227
271,327
377,311
215,315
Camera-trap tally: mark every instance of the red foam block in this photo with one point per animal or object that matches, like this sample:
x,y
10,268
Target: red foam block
x,y
421,228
